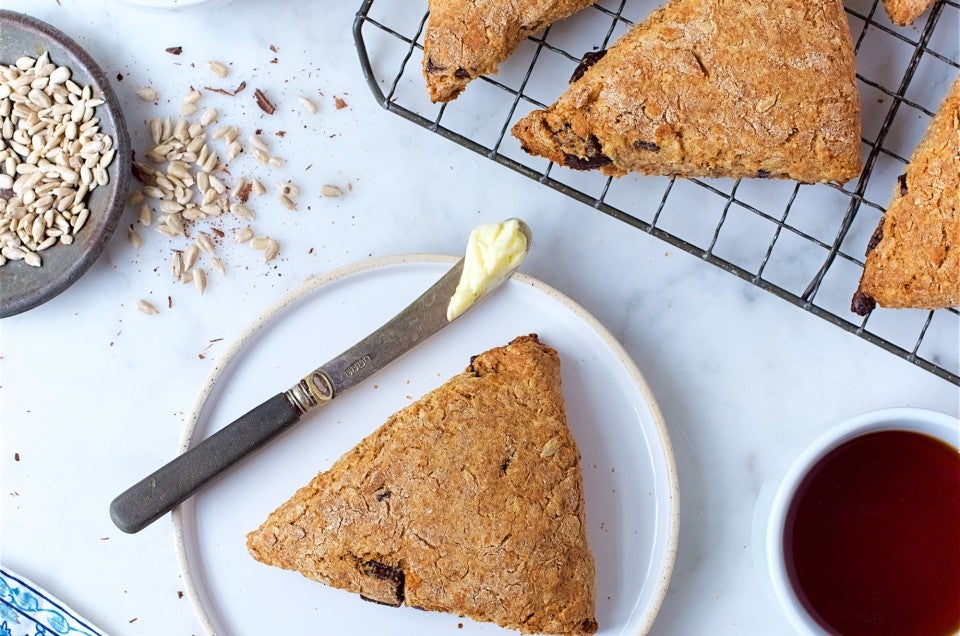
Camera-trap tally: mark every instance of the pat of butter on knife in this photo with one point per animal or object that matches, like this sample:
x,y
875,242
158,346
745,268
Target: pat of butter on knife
x,y
493,250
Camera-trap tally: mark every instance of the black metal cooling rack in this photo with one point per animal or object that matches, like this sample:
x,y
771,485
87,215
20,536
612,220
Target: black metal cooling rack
x,y
803,243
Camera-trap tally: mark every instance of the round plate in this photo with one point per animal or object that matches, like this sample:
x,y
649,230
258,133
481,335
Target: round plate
x,y
25,287
632,503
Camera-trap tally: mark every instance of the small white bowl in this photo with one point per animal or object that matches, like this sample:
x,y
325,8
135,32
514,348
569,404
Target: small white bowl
x,y
777,494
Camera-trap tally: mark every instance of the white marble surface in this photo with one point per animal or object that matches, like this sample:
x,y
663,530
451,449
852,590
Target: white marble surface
x,y
94,392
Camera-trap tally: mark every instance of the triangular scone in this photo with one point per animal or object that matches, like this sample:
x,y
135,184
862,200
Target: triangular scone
x,y
468,501
913,259
469,38
726,88
904,12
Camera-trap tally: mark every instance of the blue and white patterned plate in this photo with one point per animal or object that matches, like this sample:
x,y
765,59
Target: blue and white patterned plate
x,y
26,609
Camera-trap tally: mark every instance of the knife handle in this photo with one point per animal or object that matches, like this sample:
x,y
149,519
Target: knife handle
x,y
158,493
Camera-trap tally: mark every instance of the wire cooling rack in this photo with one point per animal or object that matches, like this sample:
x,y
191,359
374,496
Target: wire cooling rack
x,y
803,243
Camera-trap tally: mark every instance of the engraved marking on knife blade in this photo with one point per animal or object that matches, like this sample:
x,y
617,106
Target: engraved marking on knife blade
x,y
356,366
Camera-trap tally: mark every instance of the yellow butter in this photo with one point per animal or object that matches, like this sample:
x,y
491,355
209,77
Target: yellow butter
x,y
493,250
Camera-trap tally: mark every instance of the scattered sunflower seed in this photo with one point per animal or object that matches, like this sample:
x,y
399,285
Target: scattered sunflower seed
x,y
243,235
328,190
260,242
147,307
147,94
308,104
200,280
204,243
218,69
209,116
271,250
176,264
190,256
134,238
287,202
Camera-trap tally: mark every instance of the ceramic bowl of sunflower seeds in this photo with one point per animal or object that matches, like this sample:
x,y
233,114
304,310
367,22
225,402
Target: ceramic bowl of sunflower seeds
x,y
64,162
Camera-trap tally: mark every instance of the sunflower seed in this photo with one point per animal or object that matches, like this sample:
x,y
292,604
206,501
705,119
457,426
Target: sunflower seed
x,y
134,238
217,184
176,264
200,280
257,141
287,202
12,253
147,94
258,187
241,211
147,307
218,69
243,235
271,251
219,266
330,191
209,116
275,161
204,243
190,256
47,242
192,97
237,187
308,104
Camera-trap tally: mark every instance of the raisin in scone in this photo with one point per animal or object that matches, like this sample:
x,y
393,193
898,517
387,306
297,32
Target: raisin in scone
x,y
727,88
913,259
469,38
468,501
904,12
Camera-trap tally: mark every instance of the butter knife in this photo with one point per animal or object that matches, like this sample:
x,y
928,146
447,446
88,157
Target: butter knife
x,y
170,485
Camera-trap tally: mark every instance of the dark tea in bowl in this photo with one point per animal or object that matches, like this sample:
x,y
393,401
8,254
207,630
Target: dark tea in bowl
x,y
862,534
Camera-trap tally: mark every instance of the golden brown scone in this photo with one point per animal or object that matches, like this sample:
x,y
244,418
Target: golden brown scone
x,y
913,259
727,88
468,501
469,38
904,12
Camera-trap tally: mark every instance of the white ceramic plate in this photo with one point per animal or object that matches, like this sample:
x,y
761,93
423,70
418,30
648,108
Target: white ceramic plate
x,y
632,502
